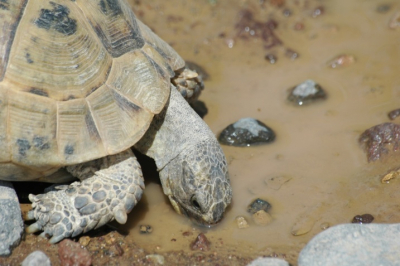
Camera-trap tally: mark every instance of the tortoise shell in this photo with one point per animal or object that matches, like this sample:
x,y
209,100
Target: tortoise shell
x,y
79,80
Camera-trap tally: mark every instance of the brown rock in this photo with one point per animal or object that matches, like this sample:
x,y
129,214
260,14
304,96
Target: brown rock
x,y
71,254
114,251
201,243
341,61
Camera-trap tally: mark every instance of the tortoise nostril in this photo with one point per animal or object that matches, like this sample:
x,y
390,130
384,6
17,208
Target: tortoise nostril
x,y
195,203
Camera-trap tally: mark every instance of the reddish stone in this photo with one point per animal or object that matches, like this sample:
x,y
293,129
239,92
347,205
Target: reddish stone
x,y
201,243
71,254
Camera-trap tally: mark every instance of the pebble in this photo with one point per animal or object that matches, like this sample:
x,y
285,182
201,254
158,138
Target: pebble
x,y
241,222
36,258
246,132
393,114
200,243
114,250
271,58
318,11
306,93
291,54
342,60
145,229
71,254
394,21
257,205
389,176
298,26
324,226
353,245
262,218
376,140
268,262
363,219
156,259
84,241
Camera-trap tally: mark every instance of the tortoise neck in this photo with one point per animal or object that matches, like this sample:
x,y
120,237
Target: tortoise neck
x,y
173,130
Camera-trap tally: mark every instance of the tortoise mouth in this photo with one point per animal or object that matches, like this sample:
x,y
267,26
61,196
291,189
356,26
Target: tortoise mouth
x,y
193,214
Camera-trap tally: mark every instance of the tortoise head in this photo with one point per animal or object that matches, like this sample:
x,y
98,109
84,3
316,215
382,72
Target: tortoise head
x,y
197,182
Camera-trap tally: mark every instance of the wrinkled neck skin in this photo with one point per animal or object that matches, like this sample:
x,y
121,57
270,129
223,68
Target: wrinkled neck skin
x,y
191,163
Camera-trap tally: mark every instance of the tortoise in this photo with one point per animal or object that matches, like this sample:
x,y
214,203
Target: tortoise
x,y
81,83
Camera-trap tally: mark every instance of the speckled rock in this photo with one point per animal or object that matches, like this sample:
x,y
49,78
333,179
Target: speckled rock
x,y
12,226
306,93
354,245
200,243
71,254
257,205
246,132
268,262
36,258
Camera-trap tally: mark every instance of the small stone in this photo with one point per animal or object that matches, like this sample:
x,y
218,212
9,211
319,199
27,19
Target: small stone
x,y
257,205
363,219
187,233
318,11
36,258
71,254
394,22
246,132
325,226
241,222
145,229
84,241
393,114
114,251
262,218
200,243
376,140
389,176
271,58
291,54
299,26
306,93
341,61
156,259
287,12
383,8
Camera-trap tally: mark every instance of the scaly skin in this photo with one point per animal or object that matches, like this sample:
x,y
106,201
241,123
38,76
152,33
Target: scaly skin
x,y
110,188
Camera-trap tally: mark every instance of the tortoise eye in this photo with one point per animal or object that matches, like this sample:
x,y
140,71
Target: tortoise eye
x,y
195,203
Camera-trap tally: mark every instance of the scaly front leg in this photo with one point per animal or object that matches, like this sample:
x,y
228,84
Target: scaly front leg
x,y
110,188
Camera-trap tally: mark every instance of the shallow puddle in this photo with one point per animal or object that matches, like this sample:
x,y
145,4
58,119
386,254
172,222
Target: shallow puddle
x,y
326,175
315,174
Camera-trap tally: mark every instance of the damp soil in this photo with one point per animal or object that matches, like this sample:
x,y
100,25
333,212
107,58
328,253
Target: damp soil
x,y
314,175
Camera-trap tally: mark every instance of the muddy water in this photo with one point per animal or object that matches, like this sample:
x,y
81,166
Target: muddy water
x,y
316,150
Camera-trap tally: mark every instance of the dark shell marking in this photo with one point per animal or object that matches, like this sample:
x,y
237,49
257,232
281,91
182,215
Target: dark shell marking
x,y
57,19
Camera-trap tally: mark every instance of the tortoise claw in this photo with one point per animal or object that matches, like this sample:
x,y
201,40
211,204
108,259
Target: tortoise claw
x,y
33,228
